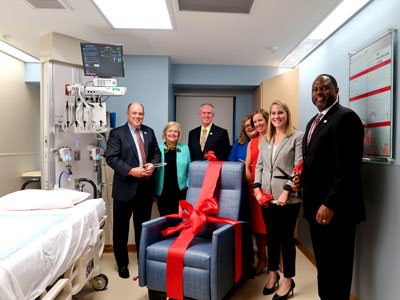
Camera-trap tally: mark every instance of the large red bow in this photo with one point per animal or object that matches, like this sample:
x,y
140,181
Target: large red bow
x,y
196,218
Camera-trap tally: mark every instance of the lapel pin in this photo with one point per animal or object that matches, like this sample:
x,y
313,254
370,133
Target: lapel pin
x,y
144,132
210,133
325,121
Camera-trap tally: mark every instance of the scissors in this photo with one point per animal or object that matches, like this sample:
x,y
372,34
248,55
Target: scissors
x,y
157,165
284,176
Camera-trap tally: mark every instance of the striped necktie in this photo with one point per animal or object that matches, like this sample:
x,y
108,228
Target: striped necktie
x,y
313,125
141,146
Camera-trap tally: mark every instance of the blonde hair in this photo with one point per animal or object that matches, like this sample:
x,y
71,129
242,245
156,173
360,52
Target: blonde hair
x,y
243,135
289,127
168,126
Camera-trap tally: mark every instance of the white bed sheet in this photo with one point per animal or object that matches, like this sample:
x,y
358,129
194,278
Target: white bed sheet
x,y
35,253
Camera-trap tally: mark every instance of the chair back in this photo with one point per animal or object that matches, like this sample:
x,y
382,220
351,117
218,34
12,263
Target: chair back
x,y
228,192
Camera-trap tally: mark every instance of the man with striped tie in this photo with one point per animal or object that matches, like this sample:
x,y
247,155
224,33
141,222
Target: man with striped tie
x,y
132,149
208,137
332,192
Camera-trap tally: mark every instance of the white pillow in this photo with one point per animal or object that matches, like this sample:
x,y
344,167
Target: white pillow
x,y
41,199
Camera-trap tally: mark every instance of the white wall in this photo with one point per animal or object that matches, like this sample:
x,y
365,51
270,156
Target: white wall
x,y
377,258
188,108
19,125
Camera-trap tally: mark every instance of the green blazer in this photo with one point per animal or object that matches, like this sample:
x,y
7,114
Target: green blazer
x,y
182,168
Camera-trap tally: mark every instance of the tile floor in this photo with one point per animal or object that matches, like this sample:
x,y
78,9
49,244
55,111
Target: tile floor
x,y
121,289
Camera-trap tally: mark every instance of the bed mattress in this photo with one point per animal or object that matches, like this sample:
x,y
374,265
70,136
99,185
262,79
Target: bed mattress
x,y
39,246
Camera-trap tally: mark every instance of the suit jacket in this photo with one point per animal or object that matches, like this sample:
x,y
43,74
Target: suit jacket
x,y
182,168
332,166
122,156
287,156
217,141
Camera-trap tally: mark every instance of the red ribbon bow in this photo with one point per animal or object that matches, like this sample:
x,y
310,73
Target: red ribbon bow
x,y
196,218
265,198
210,156
297,170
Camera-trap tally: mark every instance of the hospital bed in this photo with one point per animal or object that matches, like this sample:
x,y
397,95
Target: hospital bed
x,y
51,253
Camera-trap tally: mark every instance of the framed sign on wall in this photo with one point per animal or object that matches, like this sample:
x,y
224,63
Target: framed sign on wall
x,y
371,95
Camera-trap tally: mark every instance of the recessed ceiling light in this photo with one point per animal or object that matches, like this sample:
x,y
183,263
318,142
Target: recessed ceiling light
x,y
135,14
11,50
343,12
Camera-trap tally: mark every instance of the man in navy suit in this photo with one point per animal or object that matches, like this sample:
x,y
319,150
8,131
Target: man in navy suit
x,y
132,150
208,137
332,191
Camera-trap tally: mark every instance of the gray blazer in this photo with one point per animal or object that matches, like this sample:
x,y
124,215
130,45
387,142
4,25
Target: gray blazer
x,y
287,156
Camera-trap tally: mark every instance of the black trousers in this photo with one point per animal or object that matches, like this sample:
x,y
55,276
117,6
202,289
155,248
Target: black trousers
x,y
280,222
140,207
333,246
168,203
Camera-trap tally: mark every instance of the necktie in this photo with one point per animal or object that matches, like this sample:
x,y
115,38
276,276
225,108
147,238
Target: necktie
x,y
141,146
203,139
313,125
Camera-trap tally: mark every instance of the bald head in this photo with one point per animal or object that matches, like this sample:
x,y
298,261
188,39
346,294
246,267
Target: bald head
x,y
135,114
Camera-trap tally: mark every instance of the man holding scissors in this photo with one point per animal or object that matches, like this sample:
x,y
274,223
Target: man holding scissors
x,y
332,193
132,151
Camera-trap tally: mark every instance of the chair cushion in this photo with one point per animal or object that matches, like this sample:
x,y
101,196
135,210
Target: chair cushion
x,y
197,255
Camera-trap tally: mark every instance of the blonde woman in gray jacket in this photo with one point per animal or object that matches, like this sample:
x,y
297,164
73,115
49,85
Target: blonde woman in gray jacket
x,y
281,148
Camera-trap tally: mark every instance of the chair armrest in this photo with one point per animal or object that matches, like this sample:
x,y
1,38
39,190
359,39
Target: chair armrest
x,y
222,261
151,233
223,258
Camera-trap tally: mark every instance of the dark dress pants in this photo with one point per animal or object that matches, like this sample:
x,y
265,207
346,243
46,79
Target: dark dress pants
x,y
333,246
140,207
280,222
168,203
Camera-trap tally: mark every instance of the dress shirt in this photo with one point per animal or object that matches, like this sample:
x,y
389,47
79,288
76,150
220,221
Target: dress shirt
x,y
134,135
208,128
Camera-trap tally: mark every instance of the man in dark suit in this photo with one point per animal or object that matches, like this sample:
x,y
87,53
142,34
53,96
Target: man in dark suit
x,y
331,181
132,150
208,137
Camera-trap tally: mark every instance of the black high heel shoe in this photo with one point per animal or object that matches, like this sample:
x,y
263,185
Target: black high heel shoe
x,y
267,291
284,297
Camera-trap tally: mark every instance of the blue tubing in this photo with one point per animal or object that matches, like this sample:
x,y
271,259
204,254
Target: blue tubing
x,y
59,178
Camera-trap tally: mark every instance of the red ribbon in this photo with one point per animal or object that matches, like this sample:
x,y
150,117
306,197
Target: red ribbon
x,y
196,218
297,170
265,198
210,156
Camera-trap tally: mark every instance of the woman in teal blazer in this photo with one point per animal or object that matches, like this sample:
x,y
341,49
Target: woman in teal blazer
x,y
172,179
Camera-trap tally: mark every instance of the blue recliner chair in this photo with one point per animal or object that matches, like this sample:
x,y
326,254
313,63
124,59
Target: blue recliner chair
x,y
209,267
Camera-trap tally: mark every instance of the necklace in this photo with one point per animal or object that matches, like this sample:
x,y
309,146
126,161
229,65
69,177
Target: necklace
x,y
168,147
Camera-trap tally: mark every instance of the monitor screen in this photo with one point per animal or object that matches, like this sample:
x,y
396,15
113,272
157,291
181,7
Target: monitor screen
x,y
102,60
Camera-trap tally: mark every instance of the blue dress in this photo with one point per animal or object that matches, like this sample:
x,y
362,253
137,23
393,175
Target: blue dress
x,y
238,152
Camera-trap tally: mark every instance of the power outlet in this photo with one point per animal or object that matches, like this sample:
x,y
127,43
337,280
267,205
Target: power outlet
x,y
77,154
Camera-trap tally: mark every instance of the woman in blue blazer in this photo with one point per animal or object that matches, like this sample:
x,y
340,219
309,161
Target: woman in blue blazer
x,y
172,179
247,133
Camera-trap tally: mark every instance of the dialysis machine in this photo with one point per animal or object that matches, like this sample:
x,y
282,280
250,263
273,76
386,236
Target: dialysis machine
x,y
75,117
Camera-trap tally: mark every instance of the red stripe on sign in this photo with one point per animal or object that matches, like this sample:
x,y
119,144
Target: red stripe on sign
x,y
386,62
378,91
380,124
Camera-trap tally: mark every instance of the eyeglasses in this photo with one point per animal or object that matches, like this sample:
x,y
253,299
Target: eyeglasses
x,y
248,126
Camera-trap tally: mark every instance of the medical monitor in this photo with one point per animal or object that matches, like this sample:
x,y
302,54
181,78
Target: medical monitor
x,y
102,60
